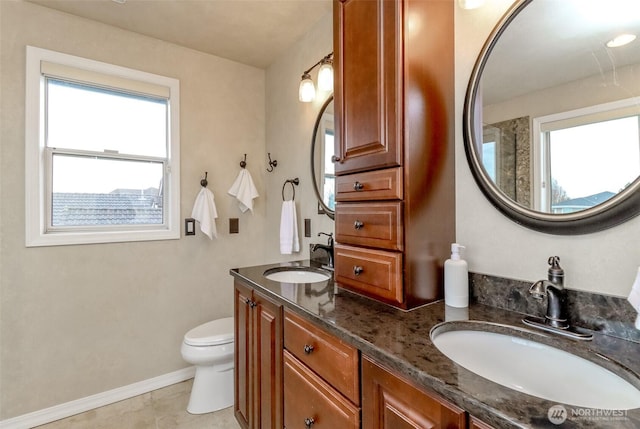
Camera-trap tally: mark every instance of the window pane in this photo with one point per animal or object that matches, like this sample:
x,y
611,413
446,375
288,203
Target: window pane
x,y
91,191
591,163
90,118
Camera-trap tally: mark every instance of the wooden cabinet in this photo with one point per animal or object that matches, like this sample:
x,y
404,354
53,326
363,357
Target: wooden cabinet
x,y
321,378
390,402
258,360
474,423
394,100
368,98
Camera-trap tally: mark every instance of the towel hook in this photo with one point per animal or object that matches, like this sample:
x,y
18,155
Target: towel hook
x,y
272,164
204,182
295,182
243,163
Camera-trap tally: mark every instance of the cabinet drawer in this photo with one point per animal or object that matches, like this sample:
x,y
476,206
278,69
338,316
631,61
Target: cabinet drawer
x,y
370,224
376,273
373,185
329,357
307,396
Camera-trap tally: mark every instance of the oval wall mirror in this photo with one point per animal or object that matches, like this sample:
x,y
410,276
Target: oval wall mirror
x,y
322,169
552,115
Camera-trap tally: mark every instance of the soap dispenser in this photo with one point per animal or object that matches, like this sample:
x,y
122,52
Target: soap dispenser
x,y
456,279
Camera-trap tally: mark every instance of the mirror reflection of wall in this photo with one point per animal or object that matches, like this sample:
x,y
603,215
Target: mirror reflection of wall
x,y
560,112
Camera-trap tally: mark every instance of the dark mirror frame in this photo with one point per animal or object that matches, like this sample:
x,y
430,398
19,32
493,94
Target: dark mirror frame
x,y
322,207
614,211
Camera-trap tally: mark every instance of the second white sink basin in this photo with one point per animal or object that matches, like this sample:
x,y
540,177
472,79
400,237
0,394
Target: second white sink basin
x,y
537,369
296,275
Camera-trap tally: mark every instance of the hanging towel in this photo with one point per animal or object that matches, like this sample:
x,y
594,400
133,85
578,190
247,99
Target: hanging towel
x,y
204,211
289,228
244,190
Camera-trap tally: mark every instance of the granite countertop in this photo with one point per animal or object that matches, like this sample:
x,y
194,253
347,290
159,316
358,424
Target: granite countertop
x,y
401,341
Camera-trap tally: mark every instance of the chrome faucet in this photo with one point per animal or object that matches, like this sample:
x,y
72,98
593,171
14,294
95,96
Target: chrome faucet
x,y
328,248
556,318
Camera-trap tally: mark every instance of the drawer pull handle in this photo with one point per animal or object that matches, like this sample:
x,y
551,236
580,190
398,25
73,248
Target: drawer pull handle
x,y
335,158
358,224
357,270
358,186
308,422
308,348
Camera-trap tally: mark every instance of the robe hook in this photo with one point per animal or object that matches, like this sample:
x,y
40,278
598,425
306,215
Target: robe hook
x,y
272,164
243,163
204,182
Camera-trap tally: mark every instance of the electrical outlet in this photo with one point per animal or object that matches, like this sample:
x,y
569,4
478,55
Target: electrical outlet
x,y
189,226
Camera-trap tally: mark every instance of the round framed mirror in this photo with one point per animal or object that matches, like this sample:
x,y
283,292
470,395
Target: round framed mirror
x,y
552,115
322,169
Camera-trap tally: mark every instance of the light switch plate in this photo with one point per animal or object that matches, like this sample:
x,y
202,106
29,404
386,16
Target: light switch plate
x,y
189,226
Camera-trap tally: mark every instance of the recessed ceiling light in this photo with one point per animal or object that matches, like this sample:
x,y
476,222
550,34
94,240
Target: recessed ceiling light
x,y
119,1
621,40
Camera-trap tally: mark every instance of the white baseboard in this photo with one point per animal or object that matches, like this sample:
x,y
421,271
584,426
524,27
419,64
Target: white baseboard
x,y
68,409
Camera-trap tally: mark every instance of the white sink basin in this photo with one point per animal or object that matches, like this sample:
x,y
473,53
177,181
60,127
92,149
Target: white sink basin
x,y
536,369
296,275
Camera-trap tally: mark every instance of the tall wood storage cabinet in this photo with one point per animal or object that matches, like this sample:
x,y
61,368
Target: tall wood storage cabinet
x,y
258,402
394,160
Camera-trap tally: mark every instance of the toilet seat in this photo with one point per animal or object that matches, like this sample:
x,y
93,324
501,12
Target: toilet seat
x,y
212,333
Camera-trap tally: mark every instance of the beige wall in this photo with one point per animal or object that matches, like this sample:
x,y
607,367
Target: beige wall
x,y
289,130
605,262
79,320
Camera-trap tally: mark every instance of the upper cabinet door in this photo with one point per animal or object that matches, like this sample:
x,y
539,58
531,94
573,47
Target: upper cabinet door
x,y
368,89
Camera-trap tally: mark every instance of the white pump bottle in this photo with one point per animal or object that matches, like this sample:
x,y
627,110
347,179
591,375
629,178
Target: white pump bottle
x,y
456,279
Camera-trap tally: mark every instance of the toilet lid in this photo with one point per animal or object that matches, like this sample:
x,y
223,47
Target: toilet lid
x,y
212,333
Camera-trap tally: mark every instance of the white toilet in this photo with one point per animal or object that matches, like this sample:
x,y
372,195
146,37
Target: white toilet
x,y
210,348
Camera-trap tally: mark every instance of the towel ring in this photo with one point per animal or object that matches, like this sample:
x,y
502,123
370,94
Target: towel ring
x,y
295,182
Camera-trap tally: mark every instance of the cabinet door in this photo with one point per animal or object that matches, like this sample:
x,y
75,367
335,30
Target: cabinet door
x,y
267,362
389,402
242,388
368,90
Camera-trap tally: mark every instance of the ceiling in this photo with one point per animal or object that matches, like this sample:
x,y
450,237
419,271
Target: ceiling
x,y
253,32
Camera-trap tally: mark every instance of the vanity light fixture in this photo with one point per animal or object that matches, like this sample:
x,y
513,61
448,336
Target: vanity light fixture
x,y
307,90
621,40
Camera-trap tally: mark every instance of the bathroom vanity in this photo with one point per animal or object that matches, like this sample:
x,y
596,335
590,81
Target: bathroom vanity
x,y
349,359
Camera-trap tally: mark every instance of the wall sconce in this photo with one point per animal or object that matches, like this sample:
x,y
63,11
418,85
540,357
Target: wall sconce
x,y
307,90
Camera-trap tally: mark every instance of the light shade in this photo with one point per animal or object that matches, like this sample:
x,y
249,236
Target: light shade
x,y
307,90
325,76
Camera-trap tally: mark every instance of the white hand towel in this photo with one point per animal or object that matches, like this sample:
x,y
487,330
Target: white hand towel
x,y
244,190
204,211
289,242
634,297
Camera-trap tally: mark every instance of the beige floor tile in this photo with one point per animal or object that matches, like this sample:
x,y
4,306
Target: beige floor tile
x,y
161,409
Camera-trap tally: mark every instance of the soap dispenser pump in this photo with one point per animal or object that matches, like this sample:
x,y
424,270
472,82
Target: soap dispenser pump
x,y
456,279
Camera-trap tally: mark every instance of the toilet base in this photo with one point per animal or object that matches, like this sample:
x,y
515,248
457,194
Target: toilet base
x,y
212,390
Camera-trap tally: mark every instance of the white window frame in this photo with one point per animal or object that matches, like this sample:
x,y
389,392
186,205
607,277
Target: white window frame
x,y
540,148
37,185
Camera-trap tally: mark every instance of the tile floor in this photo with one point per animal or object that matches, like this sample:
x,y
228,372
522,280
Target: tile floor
x,y
161,409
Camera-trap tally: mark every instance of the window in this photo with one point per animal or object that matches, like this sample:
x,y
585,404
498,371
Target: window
x,y
586,156
102,152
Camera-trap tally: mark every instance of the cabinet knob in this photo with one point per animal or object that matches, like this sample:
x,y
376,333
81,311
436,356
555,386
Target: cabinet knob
x,y
308,422
358,186
335,158
308,348
357,270
358,224
252,304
